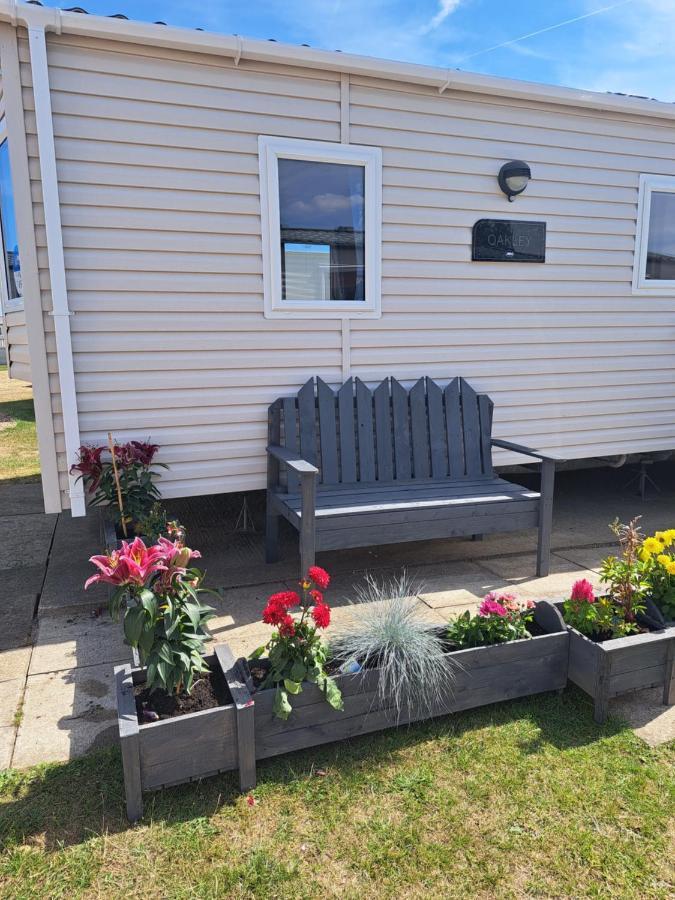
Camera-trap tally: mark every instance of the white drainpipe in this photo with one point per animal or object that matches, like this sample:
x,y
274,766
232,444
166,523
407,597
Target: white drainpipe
x,y
57,270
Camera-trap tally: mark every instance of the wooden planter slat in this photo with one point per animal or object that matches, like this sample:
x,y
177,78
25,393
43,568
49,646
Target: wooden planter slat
x,y
171,751
622,665
484,675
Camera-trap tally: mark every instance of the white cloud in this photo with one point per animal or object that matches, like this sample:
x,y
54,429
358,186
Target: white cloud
x,y
445,8
635,55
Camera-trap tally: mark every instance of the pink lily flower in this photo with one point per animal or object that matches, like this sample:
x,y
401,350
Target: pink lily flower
x,y
142,561
113,569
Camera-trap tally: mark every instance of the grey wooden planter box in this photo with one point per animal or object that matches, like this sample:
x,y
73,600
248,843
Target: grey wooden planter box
x,y
109,535
185,748
194,746
484,675
622,665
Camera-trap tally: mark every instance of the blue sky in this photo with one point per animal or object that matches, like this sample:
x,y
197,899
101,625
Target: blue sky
x,y
627,48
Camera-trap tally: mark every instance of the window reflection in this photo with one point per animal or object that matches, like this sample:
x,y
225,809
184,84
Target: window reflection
x,y
321,208
10,241
661,239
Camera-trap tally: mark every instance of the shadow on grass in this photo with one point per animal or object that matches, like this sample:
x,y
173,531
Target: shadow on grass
x,y
20,479
62,805
20,411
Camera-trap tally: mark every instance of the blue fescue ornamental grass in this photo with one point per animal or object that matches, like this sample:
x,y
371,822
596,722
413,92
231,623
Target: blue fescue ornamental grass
x,y
387,630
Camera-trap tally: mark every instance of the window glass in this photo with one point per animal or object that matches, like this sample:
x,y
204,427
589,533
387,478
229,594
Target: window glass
x,y
661,239
321,211
10,243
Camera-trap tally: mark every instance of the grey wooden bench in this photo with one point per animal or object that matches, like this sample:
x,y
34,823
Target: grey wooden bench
x,y
359,467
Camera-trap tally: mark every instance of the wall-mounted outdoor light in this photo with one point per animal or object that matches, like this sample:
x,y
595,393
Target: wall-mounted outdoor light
x,y
513,178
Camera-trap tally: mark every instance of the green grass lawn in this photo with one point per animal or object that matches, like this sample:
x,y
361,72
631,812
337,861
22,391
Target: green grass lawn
x,y
524,799
19,459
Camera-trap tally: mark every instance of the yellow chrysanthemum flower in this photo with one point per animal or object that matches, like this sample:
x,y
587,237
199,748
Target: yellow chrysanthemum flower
x,y
671,567
651,546
670,534
663,559
662,538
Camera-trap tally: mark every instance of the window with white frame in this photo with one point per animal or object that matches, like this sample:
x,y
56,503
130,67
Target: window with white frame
x,y
12,285
654,266
321,227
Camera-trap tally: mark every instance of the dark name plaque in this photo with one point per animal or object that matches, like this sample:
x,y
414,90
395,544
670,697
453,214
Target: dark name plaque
x,y
504,240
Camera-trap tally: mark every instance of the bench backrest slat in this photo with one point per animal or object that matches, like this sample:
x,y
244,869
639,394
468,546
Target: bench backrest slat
x,y
388,434
348,468
364,418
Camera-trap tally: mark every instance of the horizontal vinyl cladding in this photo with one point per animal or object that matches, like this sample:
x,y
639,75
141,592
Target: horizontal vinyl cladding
x,y
18,359
158,180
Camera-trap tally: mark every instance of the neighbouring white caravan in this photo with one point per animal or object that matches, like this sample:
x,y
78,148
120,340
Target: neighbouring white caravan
x,y
205,221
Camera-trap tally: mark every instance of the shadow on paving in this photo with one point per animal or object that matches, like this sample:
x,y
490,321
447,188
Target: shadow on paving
x,y
65,804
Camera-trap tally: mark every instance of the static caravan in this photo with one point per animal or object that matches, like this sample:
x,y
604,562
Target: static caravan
x,y
202,222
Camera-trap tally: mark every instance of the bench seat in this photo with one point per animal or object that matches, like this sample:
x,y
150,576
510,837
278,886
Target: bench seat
x,y
396,513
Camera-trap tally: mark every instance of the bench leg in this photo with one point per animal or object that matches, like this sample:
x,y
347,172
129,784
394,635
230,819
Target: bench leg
x,y
545,517
307,523
271,534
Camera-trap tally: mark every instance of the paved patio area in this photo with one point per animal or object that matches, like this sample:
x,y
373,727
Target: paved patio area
x,y
58,644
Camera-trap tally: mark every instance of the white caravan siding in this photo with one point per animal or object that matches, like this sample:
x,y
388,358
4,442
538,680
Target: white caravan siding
x,y
18,360
158,169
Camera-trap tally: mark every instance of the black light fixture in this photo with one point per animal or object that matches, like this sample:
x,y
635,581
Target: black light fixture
x,y
513,177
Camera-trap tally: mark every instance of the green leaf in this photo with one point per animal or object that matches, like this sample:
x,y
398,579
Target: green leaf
x,y
293,687
194,614
163,670
165,653
282,708
298,671
333,693
134,622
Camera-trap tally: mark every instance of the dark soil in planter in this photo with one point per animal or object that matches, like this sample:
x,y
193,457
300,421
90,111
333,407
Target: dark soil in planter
x,y
209,691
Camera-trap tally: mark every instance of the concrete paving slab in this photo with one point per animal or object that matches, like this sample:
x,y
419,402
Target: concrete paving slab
x,y
64,591
16,620
66,642
241,640
28,541
14,663
66,714
237,607
514,570
646,715
77,538
10,697
21,499
589,557
453,601
6,746
21,580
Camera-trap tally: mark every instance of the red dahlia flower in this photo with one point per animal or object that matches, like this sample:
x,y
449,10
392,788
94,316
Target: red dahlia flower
x,y
286,599
321,615
287,626
319,576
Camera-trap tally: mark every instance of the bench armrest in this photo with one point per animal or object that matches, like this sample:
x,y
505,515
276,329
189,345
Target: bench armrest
x,y
292,460
526,451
